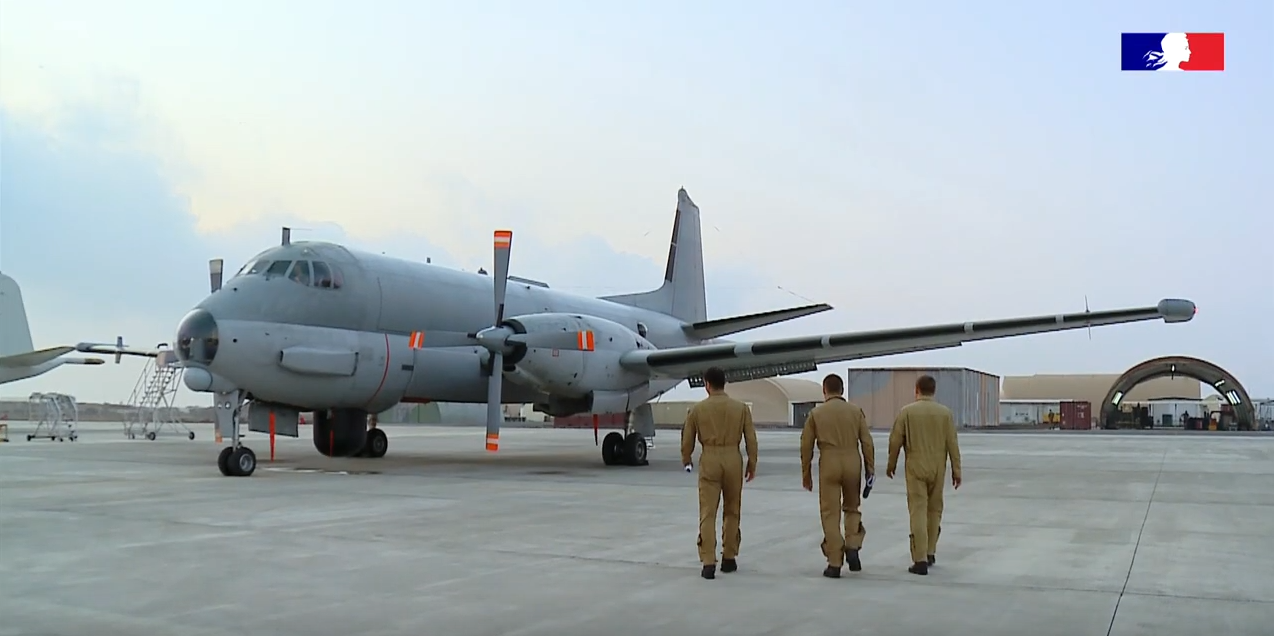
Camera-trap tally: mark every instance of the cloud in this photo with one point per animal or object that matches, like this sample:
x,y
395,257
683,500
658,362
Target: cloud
x,y
103,242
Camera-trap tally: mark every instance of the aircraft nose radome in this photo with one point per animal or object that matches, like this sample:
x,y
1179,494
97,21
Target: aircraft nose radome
x,y
1177,310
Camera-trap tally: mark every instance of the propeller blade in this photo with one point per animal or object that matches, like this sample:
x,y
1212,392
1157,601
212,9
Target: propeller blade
x,y
567,340
490,339
214,273
495,414
503,244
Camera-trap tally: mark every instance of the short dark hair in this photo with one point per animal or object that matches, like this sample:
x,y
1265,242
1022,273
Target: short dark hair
x,y
926,385
714,377
833,384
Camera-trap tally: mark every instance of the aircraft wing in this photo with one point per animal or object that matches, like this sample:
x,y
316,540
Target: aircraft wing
x,y
796,355
34,358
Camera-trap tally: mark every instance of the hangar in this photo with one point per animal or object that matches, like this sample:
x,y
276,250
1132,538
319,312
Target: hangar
x,y
1094,387
1226,385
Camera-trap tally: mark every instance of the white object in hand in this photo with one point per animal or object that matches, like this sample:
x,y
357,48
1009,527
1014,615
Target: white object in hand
x,y
689,467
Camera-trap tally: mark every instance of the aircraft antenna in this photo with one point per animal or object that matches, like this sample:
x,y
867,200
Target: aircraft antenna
x,y
1087,311
805,298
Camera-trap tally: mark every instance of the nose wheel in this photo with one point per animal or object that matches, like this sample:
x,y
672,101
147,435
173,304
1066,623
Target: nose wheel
x,y
237,462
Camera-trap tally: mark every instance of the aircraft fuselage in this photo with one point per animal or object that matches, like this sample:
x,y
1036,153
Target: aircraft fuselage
x,y
350,344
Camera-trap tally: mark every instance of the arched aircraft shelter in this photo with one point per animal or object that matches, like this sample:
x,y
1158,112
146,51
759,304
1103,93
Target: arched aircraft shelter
x,y
1219,379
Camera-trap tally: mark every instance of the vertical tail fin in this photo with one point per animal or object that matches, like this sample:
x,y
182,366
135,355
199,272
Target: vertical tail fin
x,y
682,294
15,333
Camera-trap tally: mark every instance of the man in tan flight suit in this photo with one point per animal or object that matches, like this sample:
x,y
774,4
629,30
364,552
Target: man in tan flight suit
x,y
926,431
719,423
839,428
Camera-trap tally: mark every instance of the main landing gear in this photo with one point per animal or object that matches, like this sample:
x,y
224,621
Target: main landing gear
x,y
619,449
348,433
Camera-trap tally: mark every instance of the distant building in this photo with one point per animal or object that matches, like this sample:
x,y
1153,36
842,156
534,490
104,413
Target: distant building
x,y
973,396
771,399
1093,387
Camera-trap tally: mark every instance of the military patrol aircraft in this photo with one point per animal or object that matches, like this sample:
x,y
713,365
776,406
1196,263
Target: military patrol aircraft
x,y
19,359
318,327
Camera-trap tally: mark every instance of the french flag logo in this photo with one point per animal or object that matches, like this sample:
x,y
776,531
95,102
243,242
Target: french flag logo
x,y
1173,51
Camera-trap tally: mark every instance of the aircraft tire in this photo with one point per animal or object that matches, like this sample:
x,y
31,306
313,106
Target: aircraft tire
x,y
223,460
635,450
377,443
242,462
613,449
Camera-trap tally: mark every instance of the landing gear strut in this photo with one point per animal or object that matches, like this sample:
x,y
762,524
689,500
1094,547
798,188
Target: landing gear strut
x,y
235,460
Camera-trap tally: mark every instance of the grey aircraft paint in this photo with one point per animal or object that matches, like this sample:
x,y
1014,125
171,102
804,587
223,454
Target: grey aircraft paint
x,y
344,331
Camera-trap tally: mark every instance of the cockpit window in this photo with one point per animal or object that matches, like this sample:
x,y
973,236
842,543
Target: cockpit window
x,y
301,273
322,275
309,273
278,268
255,266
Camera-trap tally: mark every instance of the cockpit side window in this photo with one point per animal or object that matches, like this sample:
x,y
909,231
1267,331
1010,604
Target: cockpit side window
x,y
322,275
301,273
338,280
278,268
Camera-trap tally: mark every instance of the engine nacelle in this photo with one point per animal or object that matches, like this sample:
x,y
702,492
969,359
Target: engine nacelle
x,y
576,372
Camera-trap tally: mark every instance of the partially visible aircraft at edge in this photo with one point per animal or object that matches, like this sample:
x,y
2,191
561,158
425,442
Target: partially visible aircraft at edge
x,y
19,358
318,327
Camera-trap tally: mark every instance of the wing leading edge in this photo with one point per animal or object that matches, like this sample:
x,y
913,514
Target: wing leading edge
x,y
684,362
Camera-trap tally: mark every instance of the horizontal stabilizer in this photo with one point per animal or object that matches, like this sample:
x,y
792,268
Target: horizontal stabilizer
x,y
708,329
34,358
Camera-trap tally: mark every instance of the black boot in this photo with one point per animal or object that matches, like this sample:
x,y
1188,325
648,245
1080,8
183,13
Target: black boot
x,y
921,568
851,559
729,565
709,572
932,559
832,572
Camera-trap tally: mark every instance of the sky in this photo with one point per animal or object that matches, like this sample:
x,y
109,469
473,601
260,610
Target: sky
x,y
913,163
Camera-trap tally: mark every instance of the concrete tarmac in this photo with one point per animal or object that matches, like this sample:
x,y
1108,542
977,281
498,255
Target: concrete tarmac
x,y
1065,535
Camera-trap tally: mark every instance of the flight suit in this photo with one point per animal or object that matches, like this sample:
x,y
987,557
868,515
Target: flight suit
x,y
719,423
839,428
926,431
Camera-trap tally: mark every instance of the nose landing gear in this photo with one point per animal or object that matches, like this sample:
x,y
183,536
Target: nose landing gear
x,y
235,460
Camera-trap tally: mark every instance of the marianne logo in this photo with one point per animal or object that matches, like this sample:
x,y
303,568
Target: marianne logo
x,y
1173,51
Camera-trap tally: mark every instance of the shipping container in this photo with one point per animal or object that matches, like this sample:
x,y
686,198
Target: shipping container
x,y
1030,412
585,420
972,396
800,411
1076,415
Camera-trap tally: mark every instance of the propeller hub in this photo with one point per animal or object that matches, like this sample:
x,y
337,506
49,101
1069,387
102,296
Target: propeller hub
x,y
495,339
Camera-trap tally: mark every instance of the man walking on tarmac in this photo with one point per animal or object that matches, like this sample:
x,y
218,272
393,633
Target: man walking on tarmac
x,y
926,431
838,427
719,423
